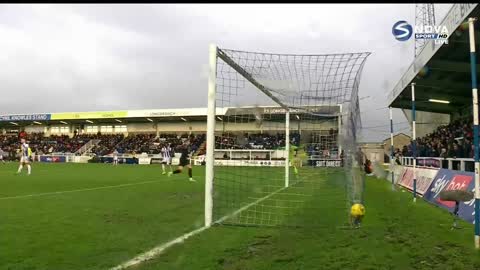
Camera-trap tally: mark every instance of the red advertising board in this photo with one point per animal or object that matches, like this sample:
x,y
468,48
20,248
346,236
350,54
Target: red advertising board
x,y
459,182
424,179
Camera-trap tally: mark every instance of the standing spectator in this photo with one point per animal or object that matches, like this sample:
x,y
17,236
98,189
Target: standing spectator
x,y
450,150
458,150
468,148
443,153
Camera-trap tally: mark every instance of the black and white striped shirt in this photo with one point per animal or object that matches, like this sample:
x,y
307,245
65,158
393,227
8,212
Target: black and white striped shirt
x,y
166,152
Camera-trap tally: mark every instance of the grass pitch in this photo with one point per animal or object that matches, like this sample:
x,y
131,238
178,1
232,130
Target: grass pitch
x,y
91,228
96,216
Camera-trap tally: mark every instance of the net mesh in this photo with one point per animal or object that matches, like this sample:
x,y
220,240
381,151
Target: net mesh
x,y
254,91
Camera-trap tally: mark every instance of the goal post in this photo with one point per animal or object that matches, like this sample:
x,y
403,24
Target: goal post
x,y
287,148
209,159
281,131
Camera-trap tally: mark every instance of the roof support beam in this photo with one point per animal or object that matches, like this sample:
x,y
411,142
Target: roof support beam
x,y
452,86
430,107
463,38
451,66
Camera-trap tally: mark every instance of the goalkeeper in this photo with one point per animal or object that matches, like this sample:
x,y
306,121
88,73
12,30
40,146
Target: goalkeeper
x,y
295,160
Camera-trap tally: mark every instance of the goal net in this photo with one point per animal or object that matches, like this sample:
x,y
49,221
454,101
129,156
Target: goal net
x,y
281,138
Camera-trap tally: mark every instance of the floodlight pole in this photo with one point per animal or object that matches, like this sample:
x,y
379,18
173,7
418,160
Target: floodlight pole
x,y
391,149
209,159
473,68
287,147
414,145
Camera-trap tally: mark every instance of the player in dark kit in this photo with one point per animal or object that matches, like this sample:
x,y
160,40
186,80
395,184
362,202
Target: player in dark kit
x,y
184,161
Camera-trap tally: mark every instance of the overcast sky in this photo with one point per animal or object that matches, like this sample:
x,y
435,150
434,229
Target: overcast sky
x,y
57,58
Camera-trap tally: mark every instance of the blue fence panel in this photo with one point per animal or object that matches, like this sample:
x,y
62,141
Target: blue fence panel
x,y
451,180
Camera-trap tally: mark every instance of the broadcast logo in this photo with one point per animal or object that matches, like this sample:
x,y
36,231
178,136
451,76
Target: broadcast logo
x,y
402,31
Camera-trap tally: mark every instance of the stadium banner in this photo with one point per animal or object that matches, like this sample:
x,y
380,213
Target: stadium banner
x,y
156,160
424,179
128,160
81,159
453,180
429,162
200,160
256,163
53,159
25,117
168,112
175,161
398,172
144,160
327,109
326,163
88,115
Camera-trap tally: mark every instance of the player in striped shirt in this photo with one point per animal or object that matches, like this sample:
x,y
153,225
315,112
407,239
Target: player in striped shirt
x,y
1,156
166,157
25,156
115,157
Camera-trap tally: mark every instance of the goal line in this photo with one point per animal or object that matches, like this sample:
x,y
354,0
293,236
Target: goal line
x,y
156,251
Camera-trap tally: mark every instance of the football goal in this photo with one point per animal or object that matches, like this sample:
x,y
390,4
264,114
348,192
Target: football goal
x,y
281,138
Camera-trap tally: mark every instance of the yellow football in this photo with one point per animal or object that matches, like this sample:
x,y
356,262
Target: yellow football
x,y
357,210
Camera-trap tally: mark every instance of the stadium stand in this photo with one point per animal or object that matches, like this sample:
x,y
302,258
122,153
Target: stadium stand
x,y
448,141
68,136
254,141
134,143
107,143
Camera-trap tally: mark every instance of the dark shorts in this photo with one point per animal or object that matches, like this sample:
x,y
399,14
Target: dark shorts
x,y
167,161
184,162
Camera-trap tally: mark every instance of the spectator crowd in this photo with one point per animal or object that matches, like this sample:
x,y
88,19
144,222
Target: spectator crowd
x,y
108,143
255,141
143,142
448,141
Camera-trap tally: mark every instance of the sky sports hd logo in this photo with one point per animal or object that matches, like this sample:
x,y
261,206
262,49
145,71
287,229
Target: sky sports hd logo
x,y
403,31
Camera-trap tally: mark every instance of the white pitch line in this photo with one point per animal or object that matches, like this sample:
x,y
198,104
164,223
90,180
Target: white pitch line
x,y
249,205
162,247
157,250
76,190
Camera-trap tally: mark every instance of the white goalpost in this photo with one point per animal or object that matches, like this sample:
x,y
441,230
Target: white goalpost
x,y
259,95
287,148
209,159
289,124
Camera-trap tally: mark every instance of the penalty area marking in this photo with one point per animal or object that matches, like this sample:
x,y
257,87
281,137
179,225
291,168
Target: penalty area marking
x,y
78,190
162,247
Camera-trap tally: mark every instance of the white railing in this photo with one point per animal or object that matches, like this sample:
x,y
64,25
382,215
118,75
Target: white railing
x,y
138,155
87,147
249,154
458,164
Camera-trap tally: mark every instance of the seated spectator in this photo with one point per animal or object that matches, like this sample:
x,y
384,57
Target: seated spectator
x,y
452,140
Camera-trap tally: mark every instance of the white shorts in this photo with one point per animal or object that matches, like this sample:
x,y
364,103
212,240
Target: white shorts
x,y
24,159
1,157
